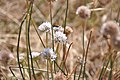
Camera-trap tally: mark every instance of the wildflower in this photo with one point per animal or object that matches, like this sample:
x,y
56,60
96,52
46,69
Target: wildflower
x,y
110,28
49,54
60,37
84,12
45,27
35,54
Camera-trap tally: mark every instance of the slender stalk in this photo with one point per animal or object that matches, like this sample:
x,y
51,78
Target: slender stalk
x,y
51,69
66,13
74,69
47,70
28,61
64,25
51,25
13,73
67,56
52,35
86,54
46,39
105,65
63,58
38,33
23,69
83,45
80,72
18,46
30,13
75,75
68,52
111,67
60,69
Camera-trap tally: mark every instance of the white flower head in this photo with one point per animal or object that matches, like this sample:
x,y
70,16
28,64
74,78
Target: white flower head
x,y
83,11
45,27
49,53
60,37
34,54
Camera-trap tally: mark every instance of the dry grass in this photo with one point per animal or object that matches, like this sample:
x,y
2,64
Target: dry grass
x,y
11,13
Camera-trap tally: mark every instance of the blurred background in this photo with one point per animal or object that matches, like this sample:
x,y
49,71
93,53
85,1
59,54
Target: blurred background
x,y
12,11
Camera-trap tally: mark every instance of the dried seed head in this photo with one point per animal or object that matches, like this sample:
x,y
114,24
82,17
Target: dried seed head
x,y
84,12
68,30
110,28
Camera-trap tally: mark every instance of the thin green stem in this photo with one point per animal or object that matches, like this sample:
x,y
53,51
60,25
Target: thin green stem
x,y
47,70
60,69
86,54
80,72
111,67
75,75
83,45
51,25
64,25
30,13
66,13
13,73
18,46
105,65
46,39
51,69
52,33
38,33
28,61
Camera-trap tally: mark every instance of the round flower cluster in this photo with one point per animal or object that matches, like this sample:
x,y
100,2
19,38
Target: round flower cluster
x,y
112,29
84,12
60,37
48,53
45,27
